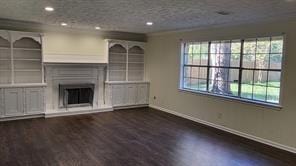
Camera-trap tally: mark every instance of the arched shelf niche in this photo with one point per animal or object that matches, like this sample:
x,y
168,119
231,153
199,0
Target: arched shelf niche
x,y
4,42
135,63
27,42
27,60
5,61
136,50
117,48
117,62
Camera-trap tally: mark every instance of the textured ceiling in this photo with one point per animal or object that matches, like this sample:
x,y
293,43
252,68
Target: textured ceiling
x,y
131,15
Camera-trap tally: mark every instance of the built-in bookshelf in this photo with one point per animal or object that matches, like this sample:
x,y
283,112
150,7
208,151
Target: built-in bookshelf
x,y
27,61
117,63
126,61
5,61
135,64
20,58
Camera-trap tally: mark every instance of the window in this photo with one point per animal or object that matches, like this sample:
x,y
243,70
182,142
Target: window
x,y
248,69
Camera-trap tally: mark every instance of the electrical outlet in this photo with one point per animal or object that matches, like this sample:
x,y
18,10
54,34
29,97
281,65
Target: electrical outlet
x,y
220,115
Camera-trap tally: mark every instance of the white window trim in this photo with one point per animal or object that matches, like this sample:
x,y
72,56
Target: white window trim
x,y
275,106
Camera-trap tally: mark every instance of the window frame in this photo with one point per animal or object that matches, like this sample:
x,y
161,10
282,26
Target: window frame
x,y
240,68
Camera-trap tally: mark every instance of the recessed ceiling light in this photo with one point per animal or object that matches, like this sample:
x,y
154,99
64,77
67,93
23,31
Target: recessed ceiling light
x,y
97,28
224,13
149,23
49,8
64,24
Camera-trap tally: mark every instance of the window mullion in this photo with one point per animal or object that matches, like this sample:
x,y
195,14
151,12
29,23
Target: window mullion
x,y
192,64
240,68
229,67
208,67
267,76
255,67
184,64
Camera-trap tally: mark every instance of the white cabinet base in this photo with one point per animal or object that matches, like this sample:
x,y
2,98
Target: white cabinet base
x,y
34,100
13,102
21,103
29,102
128,94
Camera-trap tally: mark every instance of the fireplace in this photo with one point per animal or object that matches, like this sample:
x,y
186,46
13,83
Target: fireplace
x,y
76,95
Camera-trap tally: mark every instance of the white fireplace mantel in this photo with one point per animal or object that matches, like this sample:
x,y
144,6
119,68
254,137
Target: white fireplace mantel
x,y
75,73
70,59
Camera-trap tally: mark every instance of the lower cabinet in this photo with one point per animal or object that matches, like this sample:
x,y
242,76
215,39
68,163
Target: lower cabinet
x,y
142,94
1,103
13,102
117,97
129,94
21,101
34,100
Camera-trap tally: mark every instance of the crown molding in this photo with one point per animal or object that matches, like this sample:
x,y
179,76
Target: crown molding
x,y
16,25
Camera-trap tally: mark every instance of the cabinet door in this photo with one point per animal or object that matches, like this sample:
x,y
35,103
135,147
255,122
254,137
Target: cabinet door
x,y
142,96
1,102
34,100
131,94
13,101
118,95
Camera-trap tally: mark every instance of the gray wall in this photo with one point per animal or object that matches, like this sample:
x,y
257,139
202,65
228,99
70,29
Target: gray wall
x,y
163,63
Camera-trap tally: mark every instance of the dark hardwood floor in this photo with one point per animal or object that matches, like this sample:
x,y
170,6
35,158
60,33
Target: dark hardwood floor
x,y
132,137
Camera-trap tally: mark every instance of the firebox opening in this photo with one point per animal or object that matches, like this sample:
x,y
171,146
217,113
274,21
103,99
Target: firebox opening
x,y
76,95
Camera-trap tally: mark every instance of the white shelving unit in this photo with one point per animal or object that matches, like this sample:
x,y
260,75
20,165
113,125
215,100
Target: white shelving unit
x,y
27,61
21,75
125,77
5,58
21,59
117,63
126,61
135,63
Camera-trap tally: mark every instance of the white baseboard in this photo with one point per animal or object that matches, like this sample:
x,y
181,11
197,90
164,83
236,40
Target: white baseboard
x,y
69,113
229,130
2,119
52,114
130,106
